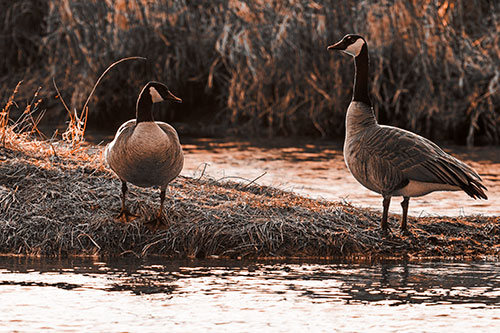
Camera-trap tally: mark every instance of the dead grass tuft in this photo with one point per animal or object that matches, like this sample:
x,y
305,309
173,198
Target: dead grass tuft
x,y
58,201
57,198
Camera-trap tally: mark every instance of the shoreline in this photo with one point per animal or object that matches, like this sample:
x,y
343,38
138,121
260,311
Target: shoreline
x,y
316,169
60,201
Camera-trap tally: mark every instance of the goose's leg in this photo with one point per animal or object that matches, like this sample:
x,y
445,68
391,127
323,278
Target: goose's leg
x,y
124,213
162,200
404,205
155,223
124,194
385,213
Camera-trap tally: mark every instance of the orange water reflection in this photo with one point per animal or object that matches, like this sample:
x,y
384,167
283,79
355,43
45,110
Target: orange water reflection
x,y
159,295
317,169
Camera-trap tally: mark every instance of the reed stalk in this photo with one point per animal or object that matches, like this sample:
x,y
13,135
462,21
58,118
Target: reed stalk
x,y
260,68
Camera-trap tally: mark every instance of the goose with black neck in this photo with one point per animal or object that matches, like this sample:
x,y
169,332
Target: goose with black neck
x,y
145,152
392,161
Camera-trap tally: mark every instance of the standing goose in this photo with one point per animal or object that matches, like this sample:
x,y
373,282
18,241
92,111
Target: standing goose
x,y
389,160
145,152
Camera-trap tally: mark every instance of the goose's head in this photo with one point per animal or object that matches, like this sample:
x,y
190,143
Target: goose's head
x,y
158,92
350,44
153,92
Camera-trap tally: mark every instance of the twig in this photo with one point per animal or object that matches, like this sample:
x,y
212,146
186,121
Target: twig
x,y
60,97
84,234
80,122
146,248
203,171
253,181
104,73
54,150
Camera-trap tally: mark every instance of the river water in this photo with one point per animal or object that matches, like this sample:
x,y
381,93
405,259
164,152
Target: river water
x,y
159,295
162,295
317,169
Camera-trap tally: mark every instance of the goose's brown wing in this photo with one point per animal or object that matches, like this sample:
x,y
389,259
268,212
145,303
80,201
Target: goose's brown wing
x,y
421,160
121,136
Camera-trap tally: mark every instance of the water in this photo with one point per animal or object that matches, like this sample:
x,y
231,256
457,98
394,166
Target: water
x,y
159,295
317,170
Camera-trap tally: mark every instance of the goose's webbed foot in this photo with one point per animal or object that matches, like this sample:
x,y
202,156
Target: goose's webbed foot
x,y
125,215
387,232
158,222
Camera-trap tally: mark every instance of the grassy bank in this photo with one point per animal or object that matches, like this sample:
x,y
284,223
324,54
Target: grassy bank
x,y
260,68
60,199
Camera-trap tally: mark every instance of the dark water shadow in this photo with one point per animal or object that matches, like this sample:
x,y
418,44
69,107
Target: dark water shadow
x,y
321,281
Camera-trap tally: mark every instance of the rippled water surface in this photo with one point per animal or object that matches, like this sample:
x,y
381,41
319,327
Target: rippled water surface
x,y
317,169
214,295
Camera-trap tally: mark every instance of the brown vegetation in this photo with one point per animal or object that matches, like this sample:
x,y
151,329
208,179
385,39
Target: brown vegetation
x,y
58,198
261,68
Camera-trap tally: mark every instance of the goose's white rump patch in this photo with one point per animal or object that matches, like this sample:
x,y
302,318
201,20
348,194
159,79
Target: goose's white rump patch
x,y
418,189
355,48
155,95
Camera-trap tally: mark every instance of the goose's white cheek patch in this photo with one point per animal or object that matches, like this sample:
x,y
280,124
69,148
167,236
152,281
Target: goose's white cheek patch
x,y
355,48
155,95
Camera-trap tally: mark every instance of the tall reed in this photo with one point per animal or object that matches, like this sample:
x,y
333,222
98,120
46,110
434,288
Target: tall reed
x,y
260,68
25,125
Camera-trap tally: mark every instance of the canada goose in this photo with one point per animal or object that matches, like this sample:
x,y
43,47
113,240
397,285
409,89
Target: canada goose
x,y
145,152
392,161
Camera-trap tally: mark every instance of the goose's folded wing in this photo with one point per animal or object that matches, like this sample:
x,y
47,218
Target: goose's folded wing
x,y
126,125
421,160
174,157
169,130
121,136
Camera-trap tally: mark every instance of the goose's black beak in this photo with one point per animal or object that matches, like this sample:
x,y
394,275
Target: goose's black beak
x,y
174,98
337,46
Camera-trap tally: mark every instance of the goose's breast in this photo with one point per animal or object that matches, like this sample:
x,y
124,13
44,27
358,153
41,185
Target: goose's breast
x,y
363,167
369,158
146,157
148,140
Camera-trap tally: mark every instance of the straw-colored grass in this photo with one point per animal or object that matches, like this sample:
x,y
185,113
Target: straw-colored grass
x,y
59,199
65,204
261,68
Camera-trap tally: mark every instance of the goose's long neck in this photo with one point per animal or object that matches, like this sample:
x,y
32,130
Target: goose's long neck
x,y
360,93
360,114
143,111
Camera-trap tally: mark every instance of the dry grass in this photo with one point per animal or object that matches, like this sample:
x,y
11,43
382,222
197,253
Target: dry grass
x,y
261,68
57,199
